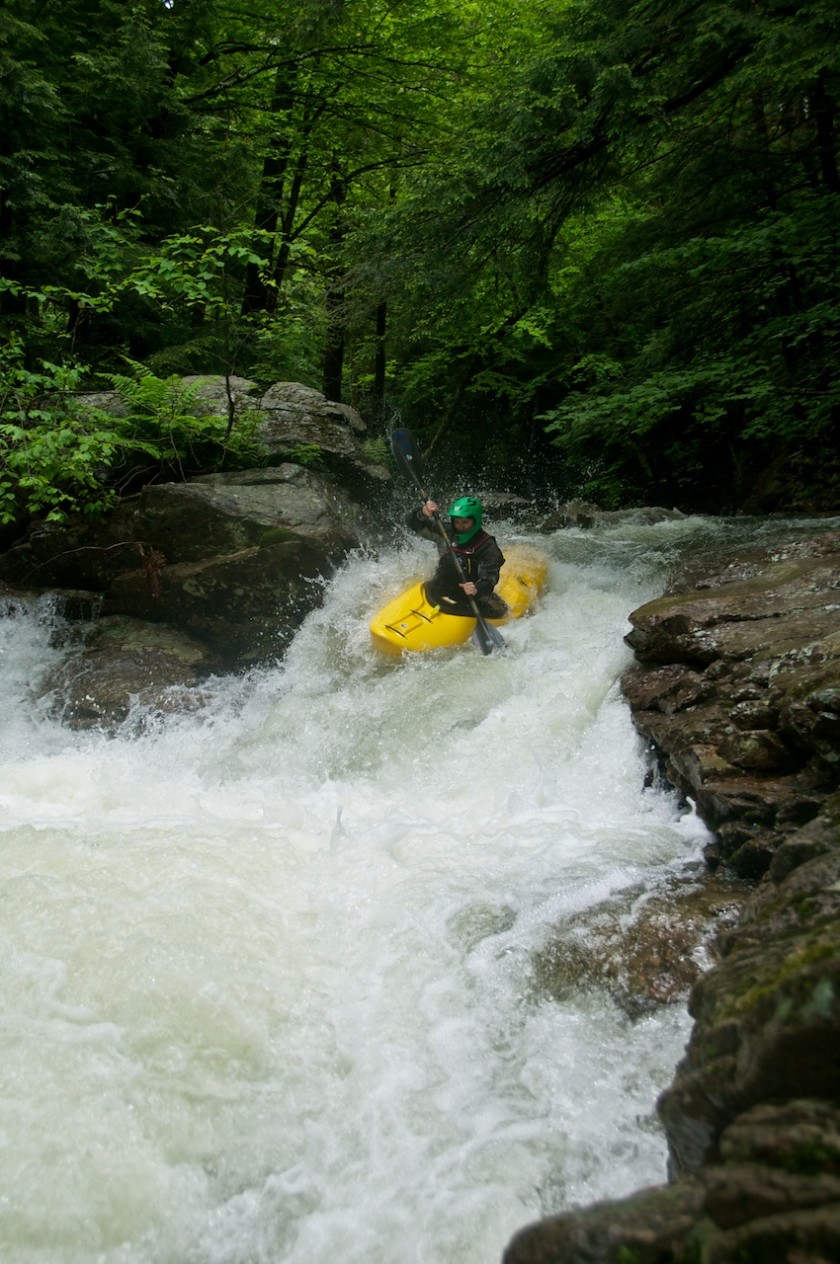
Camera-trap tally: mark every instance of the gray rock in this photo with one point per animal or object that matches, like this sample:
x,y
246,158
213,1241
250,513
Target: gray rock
x,y
771,1008
652,1227
127,665
737,686
773,1195
646,949
220,513
585,515
233,561
246,605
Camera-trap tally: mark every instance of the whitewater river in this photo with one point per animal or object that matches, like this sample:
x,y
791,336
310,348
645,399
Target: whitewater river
x,y
266,971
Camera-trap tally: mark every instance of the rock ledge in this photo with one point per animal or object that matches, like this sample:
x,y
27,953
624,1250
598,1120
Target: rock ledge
x,y
737,689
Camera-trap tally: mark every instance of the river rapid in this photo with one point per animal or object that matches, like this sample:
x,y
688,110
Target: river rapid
x,y
266,982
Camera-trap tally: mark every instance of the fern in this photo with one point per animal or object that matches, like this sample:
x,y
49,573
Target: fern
x,y
168,420
375,451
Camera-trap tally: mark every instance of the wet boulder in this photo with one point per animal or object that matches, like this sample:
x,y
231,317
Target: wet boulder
x,y
297,423
770,1009
585,516
126,667
736,686
234,560
774,1195
652,1226
238,560
645,948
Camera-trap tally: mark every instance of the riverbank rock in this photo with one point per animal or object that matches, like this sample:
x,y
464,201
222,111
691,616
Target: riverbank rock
x,y
231,563
645,948
773,1197
736,689
125,667
234,561
583,514
767,1019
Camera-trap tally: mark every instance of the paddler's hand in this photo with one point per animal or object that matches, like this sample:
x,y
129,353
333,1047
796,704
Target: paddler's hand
x,y
429,509
469,588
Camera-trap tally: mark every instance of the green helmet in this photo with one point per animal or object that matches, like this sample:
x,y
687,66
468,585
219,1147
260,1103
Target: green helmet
x,y
467,507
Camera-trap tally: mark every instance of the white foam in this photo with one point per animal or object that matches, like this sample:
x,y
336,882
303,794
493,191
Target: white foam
x,y
265,982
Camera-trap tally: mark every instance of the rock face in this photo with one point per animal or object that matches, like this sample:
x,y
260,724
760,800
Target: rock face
x,y
236,559
645,948
127,665
773,1196
737,688
229,563
768,1017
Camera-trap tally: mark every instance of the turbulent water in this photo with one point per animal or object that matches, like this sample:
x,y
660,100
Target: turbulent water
x,y
266,970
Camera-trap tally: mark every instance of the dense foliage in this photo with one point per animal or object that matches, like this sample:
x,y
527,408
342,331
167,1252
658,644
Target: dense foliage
x,y
593,243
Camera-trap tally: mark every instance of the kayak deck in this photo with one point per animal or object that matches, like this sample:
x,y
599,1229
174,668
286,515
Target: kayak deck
x,y
411,623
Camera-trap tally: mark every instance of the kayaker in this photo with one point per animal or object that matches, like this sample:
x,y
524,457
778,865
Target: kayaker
x,y
477,552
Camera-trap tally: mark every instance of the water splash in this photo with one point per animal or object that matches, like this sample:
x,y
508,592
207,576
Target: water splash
x,y
267,969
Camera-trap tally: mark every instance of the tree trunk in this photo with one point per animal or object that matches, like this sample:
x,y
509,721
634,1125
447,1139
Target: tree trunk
x,y
380,361
336,315
824,110
257,296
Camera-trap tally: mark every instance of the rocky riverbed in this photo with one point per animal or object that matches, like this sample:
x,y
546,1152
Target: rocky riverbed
x,y
736,687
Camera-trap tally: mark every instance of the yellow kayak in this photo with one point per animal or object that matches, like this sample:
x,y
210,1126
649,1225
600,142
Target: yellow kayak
x,y
409,622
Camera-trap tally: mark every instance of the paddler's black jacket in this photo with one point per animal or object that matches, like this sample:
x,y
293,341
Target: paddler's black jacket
x,y
481,561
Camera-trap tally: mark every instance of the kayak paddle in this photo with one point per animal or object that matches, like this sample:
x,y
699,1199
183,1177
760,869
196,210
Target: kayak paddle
x,y
406,453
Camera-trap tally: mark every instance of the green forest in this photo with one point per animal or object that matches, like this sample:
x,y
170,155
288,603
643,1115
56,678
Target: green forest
x,y
585,247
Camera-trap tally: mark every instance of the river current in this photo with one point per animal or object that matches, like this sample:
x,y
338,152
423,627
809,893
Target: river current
x,y
266,980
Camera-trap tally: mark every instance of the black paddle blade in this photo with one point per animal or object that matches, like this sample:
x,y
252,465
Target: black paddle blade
x,y
488,638
406,452
481,641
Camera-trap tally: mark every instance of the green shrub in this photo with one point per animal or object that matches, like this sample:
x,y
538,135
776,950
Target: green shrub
x,y
54,457
59,458
167,420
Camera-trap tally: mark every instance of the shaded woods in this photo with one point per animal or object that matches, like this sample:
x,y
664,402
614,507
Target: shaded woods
x,y
592,243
